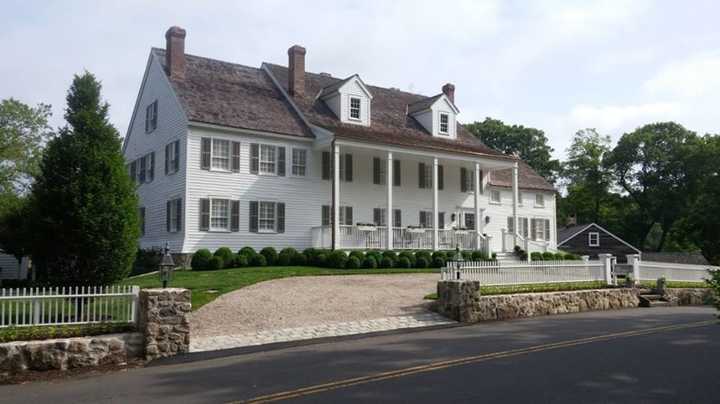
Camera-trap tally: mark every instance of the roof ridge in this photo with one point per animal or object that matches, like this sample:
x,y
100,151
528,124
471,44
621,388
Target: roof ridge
x,y
213,60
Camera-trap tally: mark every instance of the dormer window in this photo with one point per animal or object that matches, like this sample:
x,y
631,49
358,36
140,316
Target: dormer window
x,y
355,108
444,123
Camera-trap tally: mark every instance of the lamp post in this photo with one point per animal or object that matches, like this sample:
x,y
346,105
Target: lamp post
x,y
166,266
458,258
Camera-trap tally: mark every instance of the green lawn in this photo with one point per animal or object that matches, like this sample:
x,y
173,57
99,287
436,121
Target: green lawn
x,y
206,286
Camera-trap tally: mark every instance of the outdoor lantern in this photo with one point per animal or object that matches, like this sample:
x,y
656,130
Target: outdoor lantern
x,y
458,262
166,266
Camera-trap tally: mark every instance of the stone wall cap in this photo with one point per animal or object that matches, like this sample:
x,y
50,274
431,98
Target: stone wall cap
x,y
165,290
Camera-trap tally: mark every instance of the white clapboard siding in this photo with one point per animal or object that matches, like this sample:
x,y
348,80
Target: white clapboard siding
x,y
22,307
497,273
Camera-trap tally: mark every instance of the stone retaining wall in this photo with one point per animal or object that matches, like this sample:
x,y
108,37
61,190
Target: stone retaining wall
x,y
689,296
164,321
69,353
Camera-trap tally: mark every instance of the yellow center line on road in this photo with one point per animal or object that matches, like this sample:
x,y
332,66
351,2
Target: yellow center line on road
x,y
464,361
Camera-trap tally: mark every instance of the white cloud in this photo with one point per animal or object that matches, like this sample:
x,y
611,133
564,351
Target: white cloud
x,y
697,76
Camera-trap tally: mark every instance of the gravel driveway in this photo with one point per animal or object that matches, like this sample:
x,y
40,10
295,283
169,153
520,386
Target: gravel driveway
x,y
313,300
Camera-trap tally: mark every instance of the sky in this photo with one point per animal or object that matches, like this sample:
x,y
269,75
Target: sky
x,y
559,66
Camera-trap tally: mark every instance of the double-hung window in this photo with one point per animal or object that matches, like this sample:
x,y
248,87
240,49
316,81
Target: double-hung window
x,y
266,217
444,123
174,215
268,163
594,239
221,154
355,103
172,157
469,219
151,112
299,162
379,173
346,215
539,200
219,214
495,196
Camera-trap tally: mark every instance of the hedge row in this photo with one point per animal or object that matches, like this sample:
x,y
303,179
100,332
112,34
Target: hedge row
x,y
548,256
223,257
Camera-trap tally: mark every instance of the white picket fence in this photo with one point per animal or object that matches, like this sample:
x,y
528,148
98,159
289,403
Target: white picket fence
x,y
651,271
21,307
497,273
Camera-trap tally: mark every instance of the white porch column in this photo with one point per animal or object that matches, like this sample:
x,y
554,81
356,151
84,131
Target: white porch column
x,y
336,196
389,210
436,215
478,219
515,200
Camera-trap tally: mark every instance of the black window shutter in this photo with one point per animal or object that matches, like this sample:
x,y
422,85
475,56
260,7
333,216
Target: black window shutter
x,y
480,181
178,214
441,175
142,170
167,157
463,179
253,217
167,215
281,161
377,216
147,118
254,158
326,165
155,115
133,170
151,170
397,218
348,168
396,173
235,157
205,153
376,171
441,220
348,215
142,221
176,166
421,175
235,216
510,224
280,227
325,215
204,214
533,229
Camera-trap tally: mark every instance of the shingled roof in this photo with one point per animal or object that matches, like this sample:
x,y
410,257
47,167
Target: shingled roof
x,y
233,95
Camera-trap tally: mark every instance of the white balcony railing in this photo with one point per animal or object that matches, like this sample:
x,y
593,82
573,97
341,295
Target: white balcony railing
x,y
353,237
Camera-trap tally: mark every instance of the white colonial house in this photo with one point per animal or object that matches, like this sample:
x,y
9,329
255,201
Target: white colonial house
x,y
229,155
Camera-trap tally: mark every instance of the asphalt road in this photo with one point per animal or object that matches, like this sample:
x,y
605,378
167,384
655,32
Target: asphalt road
x,y
638,355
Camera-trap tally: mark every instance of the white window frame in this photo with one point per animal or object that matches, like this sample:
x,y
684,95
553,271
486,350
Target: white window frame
x,y
539,200
263,150
494,201
447,123
295,167
596,235
213,156
151,117
214,228
428,213
428,176
540,229
358,109
174,228
272,218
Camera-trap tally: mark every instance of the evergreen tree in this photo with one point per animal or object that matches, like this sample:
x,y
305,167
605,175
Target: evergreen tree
x,y
83,202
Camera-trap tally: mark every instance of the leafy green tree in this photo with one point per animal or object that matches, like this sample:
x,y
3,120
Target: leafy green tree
x,y
656,166
24,131
588,180
703,223
83,202
529,143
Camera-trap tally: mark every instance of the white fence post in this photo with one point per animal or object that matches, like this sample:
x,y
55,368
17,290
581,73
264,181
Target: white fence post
x,y
634,260
606,260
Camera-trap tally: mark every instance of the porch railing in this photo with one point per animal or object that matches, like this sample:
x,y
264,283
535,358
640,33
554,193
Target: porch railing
x,y
352,237
497,273
510,240
20,307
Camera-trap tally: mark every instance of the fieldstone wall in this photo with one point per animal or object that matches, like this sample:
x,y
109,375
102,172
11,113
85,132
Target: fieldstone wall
x,y
689,296
164,321
69,353
461,301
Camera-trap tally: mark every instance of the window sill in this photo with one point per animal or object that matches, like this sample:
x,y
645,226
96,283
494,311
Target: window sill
x,y
539,206
267,232
495,203
219,170
267,174
218,231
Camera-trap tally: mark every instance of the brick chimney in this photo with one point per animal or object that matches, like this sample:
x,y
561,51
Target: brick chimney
x,y
296,73
449,91
175,52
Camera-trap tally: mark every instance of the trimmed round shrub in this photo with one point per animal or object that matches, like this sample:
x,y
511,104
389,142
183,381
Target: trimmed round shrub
x,y
410,257
216,262
438,262
286,256
249,252
270,254
439,254
240,261
357,254
321,260
299,260
467,255
422,262
548,256
390,254
310,253
370,262
352,263
572,257
375,254
404,262
227,256
258,260
425,254
201,259
337,259
386,262
478,255
536,256
559,256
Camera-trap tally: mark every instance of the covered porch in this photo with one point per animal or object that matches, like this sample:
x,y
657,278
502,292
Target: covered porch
x,y
451,209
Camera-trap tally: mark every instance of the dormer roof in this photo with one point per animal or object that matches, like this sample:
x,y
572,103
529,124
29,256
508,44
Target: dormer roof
x,y
335,87
427,103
